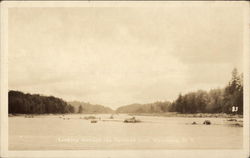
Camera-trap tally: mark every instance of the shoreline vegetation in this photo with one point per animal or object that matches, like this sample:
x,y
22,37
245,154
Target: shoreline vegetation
x,y
220,102
202,115
227,100
168,114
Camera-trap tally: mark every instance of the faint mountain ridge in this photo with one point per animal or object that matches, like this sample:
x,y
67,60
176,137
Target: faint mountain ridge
x,y
156,107
90,108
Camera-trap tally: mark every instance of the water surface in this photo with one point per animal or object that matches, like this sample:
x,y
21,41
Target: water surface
x,y
72,132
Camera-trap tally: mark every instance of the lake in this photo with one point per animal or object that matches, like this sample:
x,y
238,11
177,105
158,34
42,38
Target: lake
x,y
72,132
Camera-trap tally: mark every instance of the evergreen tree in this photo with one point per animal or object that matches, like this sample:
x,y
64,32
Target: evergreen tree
x,y
80,110
233,95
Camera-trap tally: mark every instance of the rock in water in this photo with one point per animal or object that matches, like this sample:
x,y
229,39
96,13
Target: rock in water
x,y
194,123
207,122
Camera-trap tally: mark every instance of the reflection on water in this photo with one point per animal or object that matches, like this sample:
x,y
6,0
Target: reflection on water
x,y
73,132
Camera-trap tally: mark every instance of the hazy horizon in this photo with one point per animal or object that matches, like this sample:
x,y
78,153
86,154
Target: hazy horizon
x,y
120,56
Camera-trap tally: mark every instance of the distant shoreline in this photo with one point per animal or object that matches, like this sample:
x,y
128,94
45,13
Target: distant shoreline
x,y
56,114
202,115
168,114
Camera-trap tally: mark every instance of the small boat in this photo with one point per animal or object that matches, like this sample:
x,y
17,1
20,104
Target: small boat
x,y
232,120
131,120
93,121
207,122
194,123
89,117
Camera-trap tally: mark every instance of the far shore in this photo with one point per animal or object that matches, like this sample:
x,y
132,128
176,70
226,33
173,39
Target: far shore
x,y
168,114
174,114
57,114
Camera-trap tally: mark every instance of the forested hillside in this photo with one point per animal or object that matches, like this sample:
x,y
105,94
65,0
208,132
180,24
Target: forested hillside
x,y
219,100
213,101
156,107
82,107
22,103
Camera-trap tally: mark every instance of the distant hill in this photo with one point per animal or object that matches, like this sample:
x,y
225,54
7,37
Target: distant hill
x,y
156,107
25,103
90,108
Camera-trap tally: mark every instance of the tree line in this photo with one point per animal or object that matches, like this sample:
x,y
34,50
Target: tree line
x,y
21,103
215,101
220,100
156,107
83,107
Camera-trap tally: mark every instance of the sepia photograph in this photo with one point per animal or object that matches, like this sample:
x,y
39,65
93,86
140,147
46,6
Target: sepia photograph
x,y
125,76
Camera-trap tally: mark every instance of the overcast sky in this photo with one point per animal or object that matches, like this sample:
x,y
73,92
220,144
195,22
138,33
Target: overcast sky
x,y
119,56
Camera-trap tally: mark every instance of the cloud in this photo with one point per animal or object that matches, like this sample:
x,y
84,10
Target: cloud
x,y
118,56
